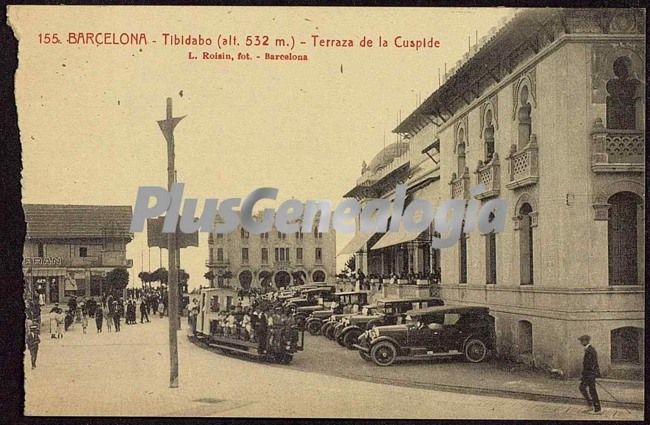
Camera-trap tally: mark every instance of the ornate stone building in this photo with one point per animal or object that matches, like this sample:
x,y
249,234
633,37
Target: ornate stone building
x,y
548,112
272,259
70,248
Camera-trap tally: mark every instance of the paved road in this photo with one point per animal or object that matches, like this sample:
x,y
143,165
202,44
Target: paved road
x,y
126,373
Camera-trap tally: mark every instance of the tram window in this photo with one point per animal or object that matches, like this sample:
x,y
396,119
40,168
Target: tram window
x,y
214,303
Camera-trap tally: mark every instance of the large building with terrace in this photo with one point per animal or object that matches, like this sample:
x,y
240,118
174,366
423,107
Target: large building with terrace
x,y
548,113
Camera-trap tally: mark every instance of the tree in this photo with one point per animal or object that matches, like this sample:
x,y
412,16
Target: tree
x,y
145,277
159,275
210,276
117,279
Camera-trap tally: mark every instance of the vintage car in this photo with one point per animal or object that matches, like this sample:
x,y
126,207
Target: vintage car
x,y
310,297
335,327
388,312
442,331
333,323
343,303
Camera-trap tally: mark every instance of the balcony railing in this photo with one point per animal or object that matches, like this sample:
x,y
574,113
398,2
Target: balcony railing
x,y
617,150
460,185
489,175
524,167
217,263
392,291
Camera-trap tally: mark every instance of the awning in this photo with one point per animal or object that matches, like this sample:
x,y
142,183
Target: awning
x,y
395,238
357,242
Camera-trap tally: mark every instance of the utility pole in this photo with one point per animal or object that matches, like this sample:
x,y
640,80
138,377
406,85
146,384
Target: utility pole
x,y
167,127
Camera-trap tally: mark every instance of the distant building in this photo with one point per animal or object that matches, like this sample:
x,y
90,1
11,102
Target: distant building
x,y
272,259
69,248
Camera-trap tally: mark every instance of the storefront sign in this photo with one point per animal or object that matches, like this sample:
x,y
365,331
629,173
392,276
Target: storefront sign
x,y
42,261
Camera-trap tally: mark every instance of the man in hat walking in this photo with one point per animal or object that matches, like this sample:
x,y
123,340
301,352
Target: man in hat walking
x,y
590,371
32,340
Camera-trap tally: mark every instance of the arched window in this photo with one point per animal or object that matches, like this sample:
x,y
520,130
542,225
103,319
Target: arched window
x,y
525,337
526,245
488,136
318,276
524,118
245,279
282,279
625,239
627,345
622,93
460,151
491,256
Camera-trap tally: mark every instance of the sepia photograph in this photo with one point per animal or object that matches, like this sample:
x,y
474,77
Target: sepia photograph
x,y
333,212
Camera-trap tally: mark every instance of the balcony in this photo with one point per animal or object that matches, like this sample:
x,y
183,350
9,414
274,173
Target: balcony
x,y
217,263
524,167
460,185
617,151
489,175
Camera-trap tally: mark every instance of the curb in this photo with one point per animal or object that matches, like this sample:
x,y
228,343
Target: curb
x,y
495,392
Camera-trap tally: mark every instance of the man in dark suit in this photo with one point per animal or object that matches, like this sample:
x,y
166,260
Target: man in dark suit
x,y
32,340
590,371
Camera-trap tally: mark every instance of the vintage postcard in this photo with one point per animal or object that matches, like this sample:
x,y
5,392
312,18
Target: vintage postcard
x,y
416,213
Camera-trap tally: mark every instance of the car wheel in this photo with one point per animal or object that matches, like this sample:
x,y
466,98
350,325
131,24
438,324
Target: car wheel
x,y
475,350
351,338
339,340
325,327
365,356
314,327
330,332
384,353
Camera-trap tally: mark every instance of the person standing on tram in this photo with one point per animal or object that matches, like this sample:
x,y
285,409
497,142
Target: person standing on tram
x,y
261,330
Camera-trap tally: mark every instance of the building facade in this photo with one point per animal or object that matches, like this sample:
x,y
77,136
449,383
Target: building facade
x,y
548,113
69,248
273,259
382,255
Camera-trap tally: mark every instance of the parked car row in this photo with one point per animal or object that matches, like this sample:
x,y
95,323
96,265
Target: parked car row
x,y
402,329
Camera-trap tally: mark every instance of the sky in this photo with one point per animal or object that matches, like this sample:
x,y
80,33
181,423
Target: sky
x,y
87,114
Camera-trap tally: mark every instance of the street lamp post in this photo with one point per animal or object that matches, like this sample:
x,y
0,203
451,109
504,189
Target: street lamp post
x,y
167,127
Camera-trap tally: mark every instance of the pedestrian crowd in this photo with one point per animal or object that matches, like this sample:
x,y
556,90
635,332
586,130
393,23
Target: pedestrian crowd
x,y
107,312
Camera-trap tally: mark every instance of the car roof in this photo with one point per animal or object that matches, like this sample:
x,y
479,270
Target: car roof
x,y
351,293
407,300
319,289
446,309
